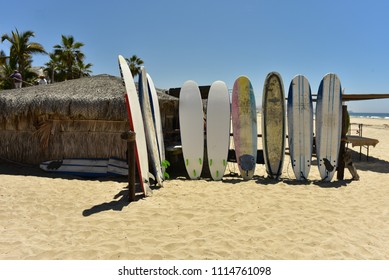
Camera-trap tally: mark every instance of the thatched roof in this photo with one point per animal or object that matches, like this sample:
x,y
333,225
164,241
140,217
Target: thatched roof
x,y
80,118
95,98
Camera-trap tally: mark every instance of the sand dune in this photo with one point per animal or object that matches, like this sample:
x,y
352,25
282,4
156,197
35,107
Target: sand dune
x,y
57,218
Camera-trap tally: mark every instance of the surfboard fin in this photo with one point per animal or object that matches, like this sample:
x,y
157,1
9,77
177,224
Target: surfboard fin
x,y
328,165
54,165
302,176
151,176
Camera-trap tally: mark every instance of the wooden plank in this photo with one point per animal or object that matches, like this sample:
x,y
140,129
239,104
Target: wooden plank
x,y
361,141
357,97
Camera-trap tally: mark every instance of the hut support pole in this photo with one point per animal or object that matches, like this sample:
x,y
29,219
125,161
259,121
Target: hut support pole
x,y
130,138
341,165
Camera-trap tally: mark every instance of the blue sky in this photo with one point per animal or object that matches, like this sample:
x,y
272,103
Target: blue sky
x,y
219,40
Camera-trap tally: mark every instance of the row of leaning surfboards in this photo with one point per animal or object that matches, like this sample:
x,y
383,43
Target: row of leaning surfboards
x,y
145,120
242,111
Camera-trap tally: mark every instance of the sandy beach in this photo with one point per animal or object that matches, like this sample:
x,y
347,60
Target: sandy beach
x,y
43,217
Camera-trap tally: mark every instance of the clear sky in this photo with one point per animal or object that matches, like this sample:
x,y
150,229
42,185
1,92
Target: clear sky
x,y
205,40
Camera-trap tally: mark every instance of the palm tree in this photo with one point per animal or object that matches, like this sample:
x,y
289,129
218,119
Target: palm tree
x,y
22,49
134,63
69,52
3,57
83,70
53,66
5,71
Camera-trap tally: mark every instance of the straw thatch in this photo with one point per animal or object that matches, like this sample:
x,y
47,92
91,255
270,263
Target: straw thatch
x,y
81,118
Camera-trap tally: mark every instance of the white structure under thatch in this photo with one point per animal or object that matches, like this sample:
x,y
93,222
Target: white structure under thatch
x,y
81,118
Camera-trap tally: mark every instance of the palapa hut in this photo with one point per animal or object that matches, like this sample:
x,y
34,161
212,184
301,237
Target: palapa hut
x,y
81,118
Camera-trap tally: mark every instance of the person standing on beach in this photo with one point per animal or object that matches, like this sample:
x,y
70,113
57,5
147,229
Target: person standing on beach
x,y
17,79
42,80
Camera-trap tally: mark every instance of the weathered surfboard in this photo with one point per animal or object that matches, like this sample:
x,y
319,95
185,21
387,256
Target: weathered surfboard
x,y
218,129
136,125
191,116
157,118
273,124
300,126
328,125
244,126
149,126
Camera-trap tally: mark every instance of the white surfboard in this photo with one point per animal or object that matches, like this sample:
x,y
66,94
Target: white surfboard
x,y
77,166
300,126
117,167
149,125
136,125
157,118
87,167
273,124
218,128
328,125
192,128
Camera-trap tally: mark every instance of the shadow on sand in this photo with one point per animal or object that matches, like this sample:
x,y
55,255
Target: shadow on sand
x,y
373,164
120,200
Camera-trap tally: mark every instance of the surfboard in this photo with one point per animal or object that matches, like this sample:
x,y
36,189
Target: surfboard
x,y
300,126
191,117
218,129
273,124
328,125
117,167
78,167
86,167
154,102
136,125
149,126
244,126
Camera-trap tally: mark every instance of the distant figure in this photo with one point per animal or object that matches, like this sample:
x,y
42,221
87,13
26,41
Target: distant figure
x,y
42,80
17,79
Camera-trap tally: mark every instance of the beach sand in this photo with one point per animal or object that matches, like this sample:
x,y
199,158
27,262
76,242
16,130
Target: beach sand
x,y
43,217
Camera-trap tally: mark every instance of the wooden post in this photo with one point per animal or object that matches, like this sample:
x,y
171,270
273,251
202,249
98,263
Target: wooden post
x,y
341,163
130,137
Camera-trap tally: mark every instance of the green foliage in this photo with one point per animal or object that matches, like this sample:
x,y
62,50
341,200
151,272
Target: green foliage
x,y
21,50
134,63
67,60
166,164
20,57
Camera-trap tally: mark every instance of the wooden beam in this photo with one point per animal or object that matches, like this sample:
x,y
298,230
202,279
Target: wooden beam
x,y
358,97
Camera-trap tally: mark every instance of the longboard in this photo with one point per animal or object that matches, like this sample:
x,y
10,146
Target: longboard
x,y
218,129
328,125
300,126
149,126
157,118
273,124
86,167
77,166
244,126
136,125
192,128
117,167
